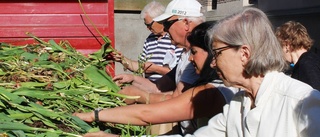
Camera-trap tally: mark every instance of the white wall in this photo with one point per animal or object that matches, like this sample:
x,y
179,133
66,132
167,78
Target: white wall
x,y
225,9
130,33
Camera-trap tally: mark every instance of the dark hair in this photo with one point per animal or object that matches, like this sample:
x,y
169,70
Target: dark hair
x,y
199,38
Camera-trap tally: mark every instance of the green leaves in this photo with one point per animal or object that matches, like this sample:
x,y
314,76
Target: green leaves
x,y
100,78
18,128
42,84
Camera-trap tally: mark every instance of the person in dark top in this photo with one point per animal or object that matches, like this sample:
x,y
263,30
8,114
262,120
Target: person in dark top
x,y
297,46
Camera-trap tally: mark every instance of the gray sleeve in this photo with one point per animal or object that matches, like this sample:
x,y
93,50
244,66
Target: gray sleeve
x,y
189,74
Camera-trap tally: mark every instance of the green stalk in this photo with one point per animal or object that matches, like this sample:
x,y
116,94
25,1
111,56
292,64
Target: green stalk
x,y
109,103
36,38
110,93
91,22
82,102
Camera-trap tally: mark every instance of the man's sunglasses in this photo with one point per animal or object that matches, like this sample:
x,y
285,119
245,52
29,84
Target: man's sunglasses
x,y
168,23
149,25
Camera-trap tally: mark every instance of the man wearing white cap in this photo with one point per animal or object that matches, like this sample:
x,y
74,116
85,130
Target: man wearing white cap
x,y
179,18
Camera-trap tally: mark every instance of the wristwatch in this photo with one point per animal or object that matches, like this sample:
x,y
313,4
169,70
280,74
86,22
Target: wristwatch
x,y
96,114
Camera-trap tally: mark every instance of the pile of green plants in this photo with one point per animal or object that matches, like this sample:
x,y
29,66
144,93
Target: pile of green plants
x,y
42,84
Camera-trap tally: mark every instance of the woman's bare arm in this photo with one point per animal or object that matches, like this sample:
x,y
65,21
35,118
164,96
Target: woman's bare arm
x,y
179,108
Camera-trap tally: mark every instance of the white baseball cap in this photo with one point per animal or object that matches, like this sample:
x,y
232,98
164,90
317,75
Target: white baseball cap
x,y
190,8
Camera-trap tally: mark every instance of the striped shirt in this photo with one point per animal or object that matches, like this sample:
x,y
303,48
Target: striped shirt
x,y
155,50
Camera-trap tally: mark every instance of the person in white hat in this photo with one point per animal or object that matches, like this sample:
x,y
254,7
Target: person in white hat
x,y
188,12
158,55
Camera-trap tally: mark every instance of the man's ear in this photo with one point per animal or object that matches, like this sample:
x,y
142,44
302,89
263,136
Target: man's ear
x,y
186,25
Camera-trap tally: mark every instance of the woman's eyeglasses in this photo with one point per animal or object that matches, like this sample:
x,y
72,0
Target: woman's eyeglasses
x,y
168,23
149,25
218,51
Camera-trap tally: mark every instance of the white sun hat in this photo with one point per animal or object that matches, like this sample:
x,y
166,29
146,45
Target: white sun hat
x,y
188,8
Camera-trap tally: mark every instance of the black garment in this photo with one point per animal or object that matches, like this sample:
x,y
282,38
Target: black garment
x,y
167,82
307,69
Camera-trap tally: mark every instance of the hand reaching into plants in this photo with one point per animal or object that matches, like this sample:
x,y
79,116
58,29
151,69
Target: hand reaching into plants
x,y
117,56
123,79
88,116
126,62
138,81
100,134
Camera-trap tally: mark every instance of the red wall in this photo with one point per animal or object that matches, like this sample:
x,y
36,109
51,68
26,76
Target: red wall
x,y
57,19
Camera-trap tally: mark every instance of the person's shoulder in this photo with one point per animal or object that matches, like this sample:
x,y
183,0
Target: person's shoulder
x,y
166,36
290,87
238,96
309,58
151,37
315,53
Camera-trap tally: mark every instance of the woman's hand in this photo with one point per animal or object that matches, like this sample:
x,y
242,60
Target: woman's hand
x,y
123,79
100,134
117,56
88,117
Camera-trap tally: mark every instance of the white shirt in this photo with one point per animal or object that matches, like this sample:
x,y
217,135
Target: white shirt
x,y
285,107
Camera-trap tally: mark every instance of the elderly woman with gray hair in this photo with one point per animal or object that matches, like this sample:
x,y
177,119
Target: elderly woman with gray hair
x,y
247,55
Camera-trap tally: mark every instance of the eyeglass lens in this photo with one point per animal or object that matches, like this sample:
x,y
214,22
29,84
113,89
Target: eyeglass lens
x,y
216,52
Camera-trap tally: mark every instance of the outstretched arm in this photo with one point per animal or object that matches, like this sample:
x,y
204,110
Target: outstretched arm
x,y
143,114
100,134
140,82
150,67
126,62
133,65
149,97
183,107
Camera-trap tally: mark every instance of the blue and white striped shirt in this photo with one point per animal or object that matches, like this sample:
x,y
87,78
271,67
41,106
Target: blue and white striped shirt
x,y
155,50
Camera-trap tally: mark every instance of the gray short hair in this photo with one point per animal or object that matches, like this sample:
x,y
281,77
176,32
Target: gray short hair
x,y
153,9
196,20
252,27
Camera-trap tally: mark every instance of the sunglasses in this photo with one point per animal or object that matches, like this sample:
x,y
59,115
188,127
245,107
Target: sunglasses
x,y
149,25
168,23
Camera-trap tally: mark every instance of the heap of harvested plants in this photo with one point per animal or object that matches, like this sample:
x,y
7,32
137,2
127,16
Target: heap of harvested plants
x,y
42,84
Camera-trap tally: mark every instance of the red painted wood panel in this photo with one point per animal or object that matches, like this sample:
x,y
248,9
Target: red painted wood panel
x,y
52,31
53,19
58,20
54,7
